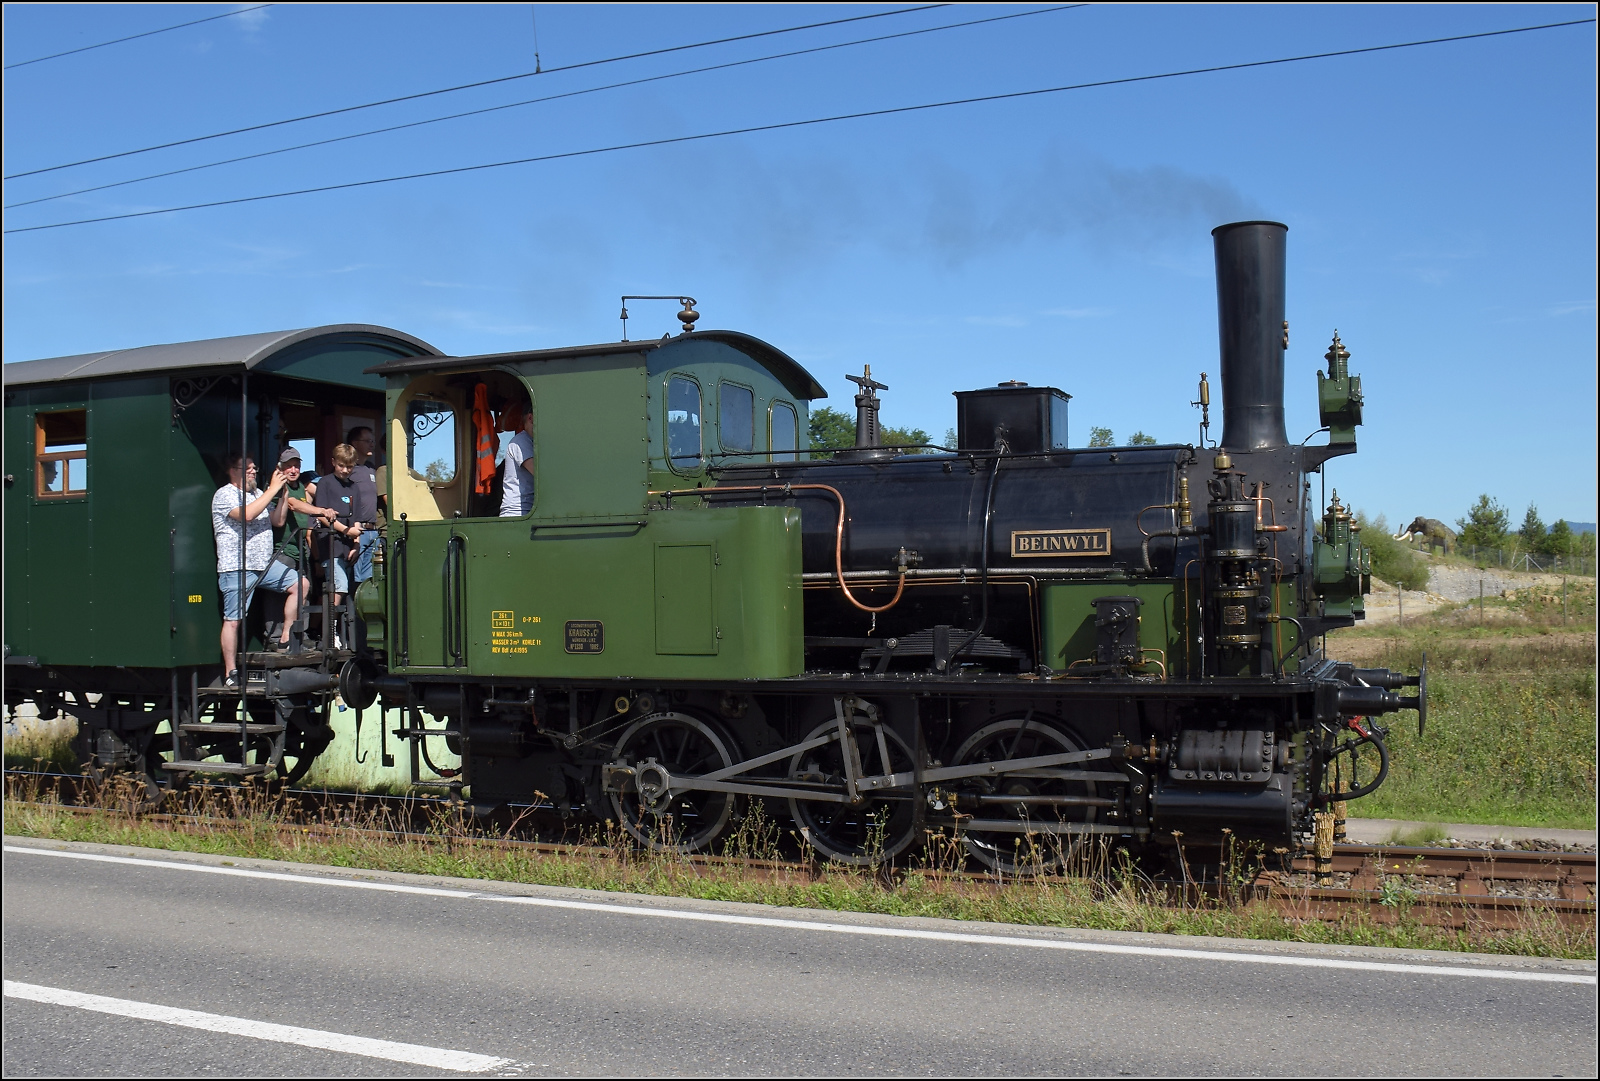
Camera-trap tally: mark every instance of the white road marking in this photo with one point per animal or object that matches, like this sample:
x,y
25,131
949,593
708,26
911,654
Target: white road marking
x,y
415,1054
1385,967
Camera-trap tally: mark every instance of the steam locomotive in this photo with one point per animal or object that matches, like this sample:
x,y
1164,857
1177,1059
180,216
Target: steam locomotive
x,y
1012,639
1019,642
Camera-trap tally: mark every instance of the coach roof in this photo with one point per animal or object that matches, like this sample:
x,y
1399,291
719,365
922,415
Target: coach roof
x,y
245,350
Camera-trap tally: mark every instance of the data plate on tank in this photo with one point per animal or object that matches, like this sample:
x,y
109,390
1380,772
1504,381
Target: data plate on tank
x,y
586,636
1056,543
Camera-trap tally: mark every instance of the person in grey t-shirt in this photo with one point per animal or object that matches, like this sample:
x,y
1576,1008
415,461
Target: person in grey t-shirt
x,y
517,484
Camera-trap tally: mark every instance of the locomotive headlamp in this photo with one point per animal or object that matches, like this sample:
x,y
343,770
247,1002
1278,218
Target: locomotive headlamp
x,y
1339,394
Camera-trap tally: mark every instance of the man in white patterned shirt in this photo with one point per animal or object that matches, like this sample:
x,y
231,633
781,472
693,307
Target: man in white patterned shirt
x,y
242,519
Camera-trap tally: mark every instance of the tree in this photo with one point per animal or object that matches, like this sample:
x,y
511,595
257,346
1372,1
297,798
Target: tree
x,y
1531,537
1486,524
831,429
1139,439
834,430
1101,437
950,439
906,437
1558,542
438,471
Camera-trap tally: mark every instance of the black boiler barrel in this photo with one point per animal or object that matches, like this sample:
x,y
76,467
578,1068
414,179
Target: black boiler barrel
x,y
1250,325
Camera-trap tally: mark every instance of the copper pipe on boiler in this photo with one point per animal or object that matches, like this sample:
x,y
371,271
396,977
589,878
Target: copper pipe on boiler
x,y
838,532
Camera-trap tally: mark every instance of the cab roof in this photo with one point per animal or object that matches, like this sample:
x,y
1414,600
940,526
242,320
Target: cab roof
x,y
782,365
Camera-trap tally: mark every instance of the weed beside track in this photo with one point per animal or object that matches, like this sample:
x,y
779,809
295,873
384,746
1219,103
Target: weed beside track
x,y
1100,889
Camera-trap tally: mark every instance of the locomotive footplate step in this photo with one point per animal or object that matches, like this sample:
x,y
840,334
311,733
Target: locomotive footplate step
x,y
214,767
308,659
253,690
224,728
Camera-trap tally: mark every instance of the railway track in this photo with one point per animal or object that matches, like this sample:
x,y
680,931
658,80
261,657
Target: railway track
x,y
1443,886
1447,887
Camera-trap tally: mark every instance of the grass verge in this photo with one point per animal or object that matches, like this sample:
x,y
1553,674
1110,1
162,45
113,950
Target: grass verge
x,y
1110,894
1511,714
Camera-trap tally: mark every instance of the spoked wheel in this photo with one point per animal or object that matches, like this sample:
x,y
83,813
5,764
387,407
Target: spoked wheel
x,y
1023,849
876,828
675,745
157,752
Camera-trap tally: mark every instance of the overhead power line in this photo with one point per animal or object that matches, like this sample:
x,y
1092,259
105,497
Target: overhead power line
x,y
470,86
548,97
810,122
135,37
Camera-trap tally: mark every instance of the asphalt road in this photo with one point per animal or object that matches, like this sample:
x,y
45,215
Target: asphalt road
x,y
647,986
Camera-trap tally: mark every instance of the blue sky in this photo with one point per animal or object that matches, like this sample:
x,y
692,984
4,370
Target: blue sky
x,y
1440,203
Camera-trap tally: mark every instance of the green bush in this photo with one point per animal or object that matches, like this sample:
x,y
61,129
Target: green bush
x,y
1392,561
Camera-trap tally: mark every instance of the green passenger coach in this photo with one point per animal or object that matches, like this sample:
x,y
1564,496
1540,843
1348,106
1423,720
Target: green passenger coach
x,y
111,460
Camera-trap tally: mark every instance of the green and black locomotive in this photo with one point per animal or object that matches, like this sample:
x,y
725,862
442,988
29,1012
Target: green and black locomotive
x,y
1013,639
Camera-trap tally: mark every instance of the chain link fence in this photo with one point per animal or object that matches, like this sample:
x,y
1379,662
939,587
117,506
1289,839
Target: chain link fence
x,y
1514,559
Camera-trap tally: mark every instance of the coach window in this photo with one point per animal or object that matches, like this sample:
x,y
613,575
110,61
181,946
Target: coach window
x,y
431,441
61,443
683,422
785,428
738,417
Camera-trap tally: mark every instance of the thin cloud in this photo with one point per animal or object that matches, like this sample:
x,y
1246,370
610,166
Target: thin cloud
x,y
1571,308
1078,313
252,20
480,323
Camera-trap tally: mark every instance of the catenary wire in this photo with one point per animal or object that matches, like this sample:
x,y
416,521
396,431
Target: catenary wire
x,y
548,97
135,37
470,86
807,123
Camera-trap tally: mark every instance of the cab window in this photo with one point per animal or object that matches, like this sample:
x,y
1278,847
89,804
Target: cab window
x,y
683,422
785,429
61,443
431,441
738,420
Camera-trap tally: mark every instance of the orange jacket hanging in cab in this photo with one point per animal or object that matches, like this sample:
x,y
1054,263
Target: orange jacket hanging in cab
x,y
483,424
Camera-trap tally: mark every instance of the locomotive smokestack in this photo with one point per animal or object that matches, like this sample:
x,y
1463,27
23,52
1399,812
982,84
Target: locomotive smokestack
x,y
1253,333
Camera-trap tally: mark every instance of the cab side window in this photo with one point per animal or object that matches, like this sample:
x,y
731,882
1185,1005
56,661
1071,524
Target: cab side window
x,y
61,445
785,428
683,422
738,419
431,441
